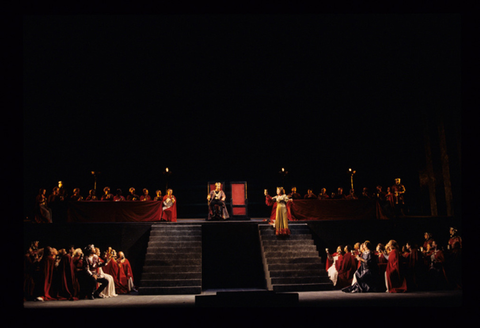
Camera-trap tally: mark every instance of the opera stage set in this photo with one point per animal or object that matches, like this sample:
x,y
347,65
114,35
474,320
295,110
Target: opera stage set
x,y
192,255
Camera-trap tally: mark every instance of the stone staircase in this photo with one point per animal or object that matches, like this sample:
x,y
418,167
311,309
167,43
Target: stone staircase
x,y
292,263
173,263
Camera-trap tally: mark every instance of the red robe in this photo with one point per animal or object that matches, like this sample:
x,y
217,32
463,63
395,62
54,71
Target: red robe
x,y
415,269
396,281
112,269
329,262
270,202
48,285
170,214
68,287
124,273
346,269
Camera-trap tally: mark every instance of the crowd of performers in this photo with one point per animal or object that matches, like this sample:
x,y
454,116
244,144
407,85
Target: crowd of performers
x,y
392,201
396,269
75,274
45,206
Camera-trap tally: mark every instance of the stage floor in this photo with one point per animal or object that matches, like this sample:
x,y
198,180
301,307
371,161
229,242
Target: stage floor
x,y
306,299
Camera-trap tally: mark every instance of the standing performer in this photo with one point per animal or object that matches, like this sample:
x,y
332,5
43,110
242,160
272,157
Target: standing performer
x,y
398,191
281,216
169,207
216,203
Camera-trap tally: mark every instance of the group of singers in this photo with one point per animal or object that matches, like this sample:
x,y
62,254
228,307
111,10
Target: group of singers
x,y
75,273
396,269
44,206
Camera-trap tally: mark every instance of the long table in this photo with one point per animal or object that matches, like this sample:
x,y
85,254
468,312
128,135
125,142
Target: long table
x,y
107,211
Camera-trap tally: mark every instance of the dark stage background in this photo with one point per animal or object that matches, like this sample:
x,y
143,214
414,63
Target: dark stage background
x,y
238,97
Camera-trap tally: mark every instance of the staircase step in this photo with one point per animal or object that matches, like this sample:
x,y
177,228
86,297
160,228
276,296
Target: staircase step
x,y
174,250
299,266
282,242
298,273
289,248
177,238
174,262
154,244
173,256
291,254
185,290
295,260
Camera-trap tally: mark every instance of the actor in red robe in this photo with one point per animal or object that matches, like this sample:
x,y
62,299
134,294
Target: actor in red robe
x,y
125,275
395,279
346,268
169,207
68,287
44,284
415,269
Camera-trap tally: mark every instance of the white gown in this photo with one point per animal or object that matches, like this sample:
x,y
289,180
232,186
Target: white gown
x,y
332,271
109,291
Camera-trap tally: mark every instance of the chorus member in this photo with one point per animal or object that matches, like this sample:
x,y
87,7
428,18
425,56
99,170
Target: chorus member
x,y
453,260
351,195
68,287
334,261
339,194
77,261
382,262
294,194
395,276
91,195
454,239
427,245
365,194
281,215
169,207
216,203
107,195
76,195
158,196
415,268
436,277
346,268
145,195
125,275
132,196
323,194
367,277
118,196
43,213
53,200
44,284
379,194
398,190
310,195
109,291
62,193
91,263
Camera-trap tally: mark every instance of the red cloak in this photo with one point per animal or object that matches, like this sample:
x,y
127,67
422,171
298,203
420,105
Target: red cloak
x,y
396,281
124,273
346,269
170,214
